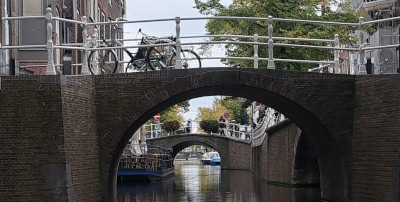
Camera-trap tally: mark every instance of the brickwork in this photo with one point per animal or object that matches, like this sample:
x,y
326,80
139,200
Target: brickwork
x,y
32,138
300,96
234,153
81,142
52,125
376,139
281,153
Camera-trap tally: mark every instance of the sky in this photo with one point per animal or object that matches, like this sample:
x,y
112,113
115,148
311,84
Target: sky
x,y
161,9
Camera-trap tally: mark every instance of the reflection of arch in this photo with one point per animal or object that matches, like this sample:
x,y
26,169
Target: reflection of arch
x,y
302,105
305,166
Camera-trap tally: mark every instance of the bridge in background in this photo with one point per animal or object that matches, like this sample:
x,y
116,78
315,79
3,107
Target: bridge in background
x,y
234,153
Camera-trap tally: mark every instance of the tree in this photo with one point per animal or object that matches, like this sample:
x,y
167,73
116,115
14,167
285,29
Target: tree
x,y
235,108
292,9
173,113
213,113
221,106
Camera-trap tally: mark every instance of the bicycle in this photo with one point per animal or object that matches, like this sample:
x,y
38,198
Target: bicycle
x,y
153,58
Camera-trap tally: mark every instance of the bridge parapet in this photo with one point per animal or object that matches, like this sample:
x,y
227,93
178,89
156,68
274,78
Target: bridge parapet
x,y
91,43
235,154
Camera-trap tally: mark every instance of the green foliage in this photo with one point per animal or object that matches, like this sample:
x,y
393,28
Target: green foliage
x,y
234,108
220,106
171,126
209,125
290,9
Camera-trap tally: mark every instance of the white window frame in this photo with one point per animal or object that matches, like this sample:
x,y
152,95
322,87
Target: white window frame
x,y
92,10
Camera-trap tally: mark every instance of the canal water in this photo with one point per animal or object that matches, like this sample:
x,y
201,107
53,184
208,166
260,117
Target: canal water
x,y
195,182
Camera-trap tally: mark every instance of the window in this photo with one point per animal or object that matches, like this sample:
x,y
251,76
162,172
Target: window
x,y
32,7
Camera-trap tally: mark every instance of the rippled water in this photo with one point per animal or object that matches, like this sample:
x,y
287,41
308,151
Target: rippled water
x,y
196,182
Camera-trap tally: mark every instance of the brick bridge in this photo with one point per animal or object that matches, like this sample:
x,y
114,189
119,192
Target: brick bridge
x,y
61,136
235,154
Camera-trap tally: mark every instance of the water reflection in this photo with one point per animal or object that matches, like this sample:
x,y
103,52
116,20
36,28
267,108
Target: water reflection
x,y
196,182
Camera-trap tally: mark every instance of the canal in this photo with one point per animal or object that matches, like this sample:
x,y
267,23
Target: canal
x,y
196,182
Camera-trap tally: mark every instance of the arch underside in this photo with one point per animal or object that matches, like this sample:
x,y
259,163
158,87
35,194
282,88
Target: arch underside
x,y
331,165
182,145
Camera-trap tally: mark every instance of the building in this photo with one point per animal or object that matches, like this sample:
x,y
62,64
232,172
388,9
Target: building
x,y
381,61
33,32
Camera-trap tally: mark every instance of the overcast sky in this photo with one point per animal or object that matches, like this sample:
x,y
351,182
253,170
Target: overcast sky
x,y
160,9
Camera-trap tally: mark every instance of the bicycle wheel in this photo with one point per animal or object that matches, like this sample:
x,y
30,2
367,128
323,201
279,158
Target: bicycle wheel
x,y
156,59
189,58
105,59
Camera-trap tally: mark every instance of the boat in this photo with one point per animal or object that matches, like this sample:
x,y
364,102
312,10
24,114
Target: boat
x,y
216,161
208,156
145,162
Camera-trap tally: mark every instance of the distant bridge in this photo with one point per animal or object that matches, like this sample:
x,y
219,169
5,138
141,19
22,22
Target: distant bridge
x,y
234,153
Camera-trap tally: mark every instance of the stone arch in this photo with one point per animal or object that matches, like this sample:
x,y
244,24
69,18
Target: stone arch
x,y
278,93
223,145
182,145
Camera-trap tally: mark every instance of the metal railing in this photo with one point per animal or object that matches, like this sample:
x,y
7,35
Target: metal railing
x,y
144,156
90,43
271,118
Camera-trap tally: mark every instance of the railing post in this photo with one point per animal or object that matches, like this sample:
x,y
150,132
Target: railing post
x,y
336,54
271,63
255,52
361,40
50,69
94,44
178,64
151,131
85,68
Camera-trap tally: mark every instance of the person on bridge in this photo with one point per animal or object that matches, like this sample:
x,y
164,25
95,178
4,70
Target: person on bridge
x,y
188,126
222,125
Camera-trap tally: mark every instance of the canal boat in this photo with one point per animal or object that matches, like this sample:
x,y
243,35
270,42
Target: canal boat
x,y
145,162
208,156
215,161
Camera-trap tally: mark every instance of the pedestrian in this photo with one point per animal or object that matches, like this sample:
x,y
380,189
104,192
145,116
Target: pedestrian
x,y
222,125
188,126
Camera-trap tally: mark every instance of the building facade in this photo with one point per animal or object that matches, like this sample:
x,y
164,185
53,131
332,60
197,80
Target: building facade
x,y
381,61
33,32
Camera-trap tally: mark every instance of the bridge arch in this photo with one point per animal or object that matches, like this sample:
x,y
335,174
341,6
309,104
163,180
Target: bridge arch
x,y
298,98
226,147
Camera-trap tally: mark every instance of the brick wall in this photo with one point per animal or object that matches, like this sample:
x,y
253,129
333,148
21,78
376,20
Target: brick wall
x,y
376,139
32,138
49,149
81,142
234,154
273,160
38,143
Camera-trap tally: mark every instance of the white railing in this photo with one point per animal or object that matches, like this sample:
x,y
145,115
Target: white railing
x,y
271,118
153,130
91,43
